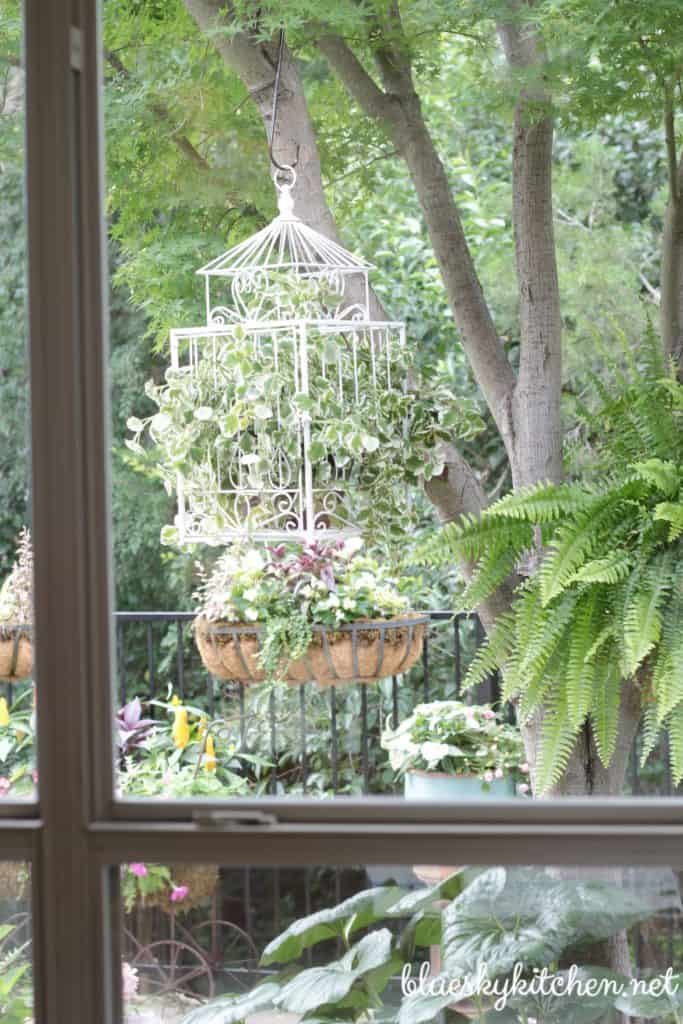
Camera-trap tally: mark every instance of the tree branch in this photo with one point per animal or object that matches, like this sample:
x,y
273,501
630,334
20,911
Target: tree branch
x,y
400,115
361,86
670,135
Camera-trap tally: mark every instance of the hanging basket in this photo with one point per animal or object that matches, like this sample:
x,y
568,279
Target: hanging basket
x,y
16,654
201,881
360,652
14,879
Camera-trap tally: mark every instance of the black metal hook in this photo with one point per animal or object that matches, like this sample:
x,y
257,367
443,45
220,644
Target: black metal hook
x,y
273,116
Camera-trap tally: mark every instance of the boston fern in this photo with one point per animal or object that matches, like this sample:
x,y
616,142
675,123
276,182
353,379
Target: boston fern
x,y
605,604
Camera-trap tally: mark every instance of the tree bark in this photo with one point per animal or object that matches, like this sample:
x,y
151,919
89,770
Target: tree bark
x,y
671,290
537,401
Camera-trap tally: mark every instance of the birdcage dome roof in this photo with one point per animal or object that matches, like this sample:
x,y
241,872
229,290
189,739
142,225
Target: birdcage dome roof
x,y
286,244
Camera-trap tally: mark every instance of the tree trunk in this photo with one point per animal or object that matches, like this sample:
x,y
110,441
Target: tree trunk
x,y
671,291
671,306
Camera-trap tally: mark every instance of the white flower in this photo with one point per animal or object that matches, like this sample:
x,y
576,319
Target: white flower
x,y
253,561
251,614
251,594
349,604
488,776
434,752
351,547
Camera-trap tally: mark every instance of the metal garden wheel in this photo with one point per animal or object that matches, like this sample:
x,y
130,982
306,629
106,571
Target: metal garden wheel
x,y
171,966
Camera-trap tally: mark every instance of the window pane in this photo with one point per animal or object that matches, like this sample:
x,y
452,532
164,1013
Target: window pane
x,y
16,980
270,411
394,943
17,725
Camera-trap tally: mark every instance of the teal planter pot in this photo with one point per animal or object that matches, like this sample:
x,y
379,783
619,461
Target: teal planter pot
x,y
423,785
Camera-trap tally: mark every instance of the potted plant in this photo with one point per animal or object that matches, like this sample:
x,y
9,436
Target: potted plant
x,y
448,750
16,615
323,612
182,755
176,888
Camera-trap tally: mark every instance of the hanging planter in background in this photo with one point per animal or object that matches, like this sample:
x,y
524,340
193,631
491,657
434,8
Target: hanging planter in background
x,y
323,612
16,616
362,651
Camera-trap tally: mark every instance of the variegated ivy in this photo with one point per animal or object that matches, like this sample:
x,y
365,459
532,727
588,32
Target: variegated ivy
x,y
238,413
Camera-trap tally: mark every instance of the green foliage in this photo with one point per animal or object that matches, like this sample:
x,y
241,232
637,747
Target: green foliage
x,y
236,417
494,920
605,604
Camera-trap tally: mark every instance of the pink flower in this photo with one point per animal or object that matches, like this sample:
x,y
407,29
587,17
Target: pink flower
x,y
178,893
130,980
137,869
488,714
524,768
523,788
488,776
34,776
5,785
499,773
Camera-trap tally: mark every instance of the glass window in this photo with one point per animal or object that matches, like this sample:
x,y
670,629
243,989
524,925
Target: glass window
x,y
285,420
16,971
399,943
17,701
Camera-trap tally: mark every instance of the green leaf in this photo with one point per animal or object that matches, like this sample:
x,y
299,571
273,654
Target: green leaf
x,y
640,1002
233,1009
357,912
332,984
422,899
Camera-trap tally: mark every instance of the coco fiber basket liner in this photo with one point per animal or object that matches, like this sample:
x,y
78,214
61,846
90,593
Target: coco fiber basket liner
x,y
16,654
201,881
363,651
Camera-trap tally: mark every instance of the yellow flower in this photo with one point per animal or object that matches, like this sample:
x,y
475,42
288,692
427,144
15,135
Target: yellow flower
x,y
201,728
175,700
4,712
181,729
210,755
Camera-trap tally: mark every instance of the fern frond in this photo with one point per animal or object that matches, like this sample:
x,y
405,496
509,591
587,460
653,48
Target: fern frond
x,y
650,734
580,670
611,568
672,513
605,706
495,566
492,655
664,475
542,503
571,546
472,536
642,622
559,739
675,728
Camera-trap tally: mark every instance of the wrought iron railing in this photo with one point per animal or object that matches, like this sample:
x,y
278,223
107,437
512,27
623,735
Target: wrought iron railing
x,y
156,651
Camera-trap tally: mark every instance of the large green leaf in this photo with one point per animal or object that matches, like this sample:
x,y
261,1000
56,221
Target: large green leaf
x,y
660,1005
233,1009
510,916
357,912
332,984
420,899
576,1008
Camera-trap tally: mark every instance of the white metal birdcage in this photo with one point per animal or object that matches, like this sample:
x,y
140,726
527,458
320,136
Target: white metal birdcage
x,y
265,480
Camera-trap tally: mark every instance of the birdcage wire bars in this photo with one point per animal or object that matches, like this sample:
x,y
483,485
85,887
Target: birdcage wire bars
x,y
270,483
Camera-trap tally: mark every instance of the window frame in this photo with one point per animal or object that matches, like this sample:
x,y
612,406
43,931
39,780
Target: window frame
x,y
77,830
